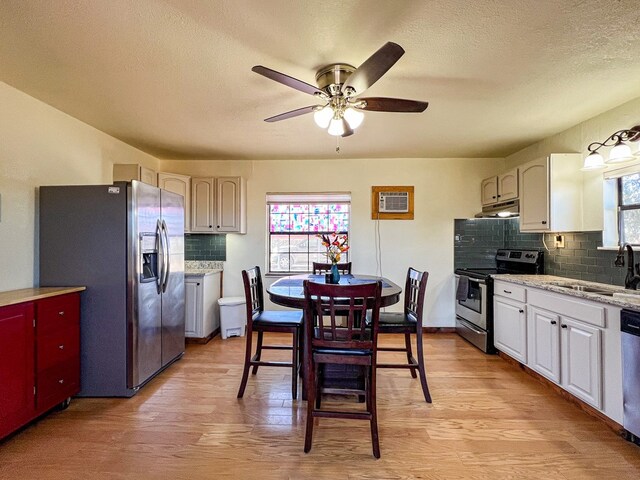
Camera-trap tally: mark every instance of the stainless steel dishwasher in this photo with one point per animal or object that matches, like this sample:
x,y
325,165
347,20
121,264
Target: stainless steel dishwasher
x,y
630,327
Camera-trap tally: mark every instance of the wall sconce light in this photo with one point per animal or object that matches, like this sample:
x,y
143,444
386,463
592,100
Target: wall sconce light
x,y
621,151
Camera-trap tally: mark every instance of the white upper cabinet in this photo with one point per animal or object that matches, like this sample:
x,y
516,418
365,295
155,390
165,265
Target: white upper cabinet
x,y
551,194
180,184
500,188
231,210
125,172
203,208
508,185
489,190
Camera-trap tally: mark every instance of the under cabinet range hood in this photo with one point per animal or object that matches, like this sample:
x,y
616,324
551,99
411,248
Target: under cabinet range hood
x,y
500,210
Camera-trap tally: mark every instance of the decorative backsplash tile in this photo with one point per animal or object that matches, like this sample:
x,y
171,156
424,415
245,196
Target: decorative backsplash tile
x,y
205,247
477,240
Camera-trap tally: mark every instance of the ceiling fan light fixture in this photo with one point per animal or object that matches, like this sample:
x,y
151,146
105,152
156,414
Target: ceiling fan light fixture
x,y
353,117
323,116
337,127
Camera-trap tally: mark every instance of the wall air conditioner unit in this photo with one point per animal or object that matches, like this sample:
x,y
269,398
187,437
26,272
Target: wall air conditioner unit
x,y
393,202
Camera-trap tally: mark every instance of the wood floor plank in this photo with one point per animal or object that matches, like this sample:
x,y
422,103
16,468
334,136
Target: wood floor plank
x,y
488,420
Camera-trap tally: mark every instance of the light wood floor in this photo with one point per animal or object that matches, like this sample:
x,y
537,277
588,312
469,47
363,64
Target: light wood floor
x,y
488,420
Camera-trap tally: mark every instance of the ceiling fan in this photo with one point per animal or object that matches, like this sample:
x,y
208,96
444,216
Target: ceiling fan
x,y
339,87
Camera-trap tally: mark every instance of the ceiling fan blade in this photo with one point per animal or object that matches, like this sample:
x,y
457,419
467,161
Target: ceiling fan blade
x,y
291,114
287,80
382,104
373,68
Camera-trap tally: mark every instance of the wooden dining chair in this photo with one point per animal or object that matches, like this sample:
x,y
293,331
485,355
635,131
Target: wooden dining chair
x,y
354,344
321,268
260,321
409,323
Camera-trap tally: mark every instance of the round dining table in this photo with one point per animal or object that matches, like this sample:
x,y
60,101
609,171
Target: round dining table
x,y
288,292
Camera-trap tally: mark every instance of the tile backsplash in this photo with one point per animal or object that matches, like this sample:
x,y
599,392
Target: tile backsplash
x,y
205,247
476,241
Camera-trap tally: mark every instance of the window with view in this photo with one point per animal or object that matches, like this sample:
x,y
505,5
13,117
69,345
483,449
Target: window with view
x,y
295,220
629,209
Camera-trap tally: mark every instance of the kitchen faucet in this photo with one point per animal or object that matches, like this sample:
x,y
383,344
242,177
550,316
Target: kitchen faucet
x,y
632,280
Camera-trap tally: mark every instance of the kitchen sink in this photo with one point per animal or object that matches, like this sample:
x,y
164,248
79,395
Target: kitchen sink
x,y
586,289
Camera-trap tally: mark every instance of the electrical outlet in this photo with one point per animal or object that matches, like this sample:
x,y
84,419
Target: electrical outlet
x,y
559,241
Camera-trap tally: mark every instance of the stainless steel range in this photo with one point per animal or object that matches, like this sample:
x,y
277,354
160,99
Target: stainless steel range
x,y
474,293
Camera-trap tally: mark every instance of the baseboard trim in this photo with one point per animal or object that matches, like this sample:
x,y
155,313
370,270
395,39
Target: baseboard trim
x,y
438,329
585,407
202,341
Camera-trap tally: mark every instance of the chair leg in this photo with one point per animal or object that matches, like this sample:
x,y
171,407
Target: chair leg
x,y
407,342
294,365
247,363
371,402
258,352
311,393
421,370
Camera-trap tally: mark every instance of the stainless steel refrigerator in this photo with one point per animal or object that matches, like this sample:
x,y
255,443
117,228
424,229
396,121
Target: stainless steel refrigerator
x,y
125,243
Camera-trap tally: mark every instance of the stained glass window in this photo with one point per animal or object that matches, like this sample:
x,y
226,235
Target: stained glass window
x,y
293,226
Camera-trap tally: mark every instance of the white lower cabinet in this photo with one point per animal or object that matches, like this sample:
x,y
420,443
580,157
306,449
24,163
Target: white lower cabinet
x,y
582,361
544,343
510,327
573,342
202,313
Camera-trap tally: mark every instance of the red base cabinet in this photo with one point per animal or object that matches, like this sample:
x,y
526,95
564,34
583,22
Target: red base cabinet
x,y
39,357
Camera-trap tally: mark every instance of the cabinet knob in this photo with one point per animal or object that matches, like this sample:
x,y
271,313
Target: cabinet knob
x,y
553,322
61,347
61,313
210,226
563,326
521,311
61,381
499,196
493,196
544,222
218,226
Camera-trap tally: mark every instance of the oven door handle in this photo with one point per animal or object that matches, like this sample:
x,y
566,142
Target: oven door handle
x,y
471,327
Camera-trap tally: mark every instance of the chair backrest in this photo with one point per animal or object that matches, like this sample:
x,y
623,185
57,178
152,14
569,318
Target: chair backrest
x,y
254,297
320,268
414,291
324,303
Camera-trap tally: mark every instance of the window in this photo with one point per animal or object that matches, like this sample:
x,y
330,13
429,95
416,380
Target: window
x,y
629,208
294,220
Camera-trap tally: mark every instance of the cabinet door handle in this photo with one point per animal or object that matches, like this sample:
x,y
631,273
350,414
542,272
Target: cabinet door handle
x,y
507,291
553,322
61,347
563,326
61,313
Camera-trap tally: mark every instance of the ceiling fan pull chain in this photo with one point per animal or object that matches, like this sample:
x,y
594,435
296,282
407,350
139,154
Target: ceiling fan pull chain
x,y
338,145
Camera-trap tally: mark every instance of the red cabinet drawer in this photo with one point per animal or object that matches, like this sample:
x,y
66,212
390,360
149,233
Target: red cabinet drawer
x,y
57,383
57,347
58,312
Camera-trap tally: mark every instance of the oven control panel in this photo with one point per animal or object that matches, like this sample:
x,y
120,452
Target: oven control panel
x,y
520,256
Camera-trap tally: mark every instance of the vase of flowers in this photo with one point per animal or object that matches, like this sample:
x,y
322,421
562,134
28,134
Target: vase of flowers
x,y
336,245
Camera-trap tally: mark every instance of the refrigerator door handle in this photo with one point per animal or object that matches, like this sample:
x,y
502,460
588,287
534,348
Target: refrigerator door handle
x,y
161,257
167,255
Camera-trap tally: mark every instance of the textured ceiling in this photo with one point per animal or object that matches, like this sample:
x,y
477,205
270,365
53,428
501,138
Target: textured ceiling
x,y
173,77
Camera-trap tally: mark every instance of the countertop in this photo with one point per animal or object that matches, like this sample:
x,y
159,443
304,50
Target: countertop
x,y
621,297
14,297
200,268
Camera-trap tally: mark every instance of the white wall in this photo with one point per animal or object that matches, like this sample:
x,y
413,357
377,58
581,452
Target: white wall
x,y
444,189
40,145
